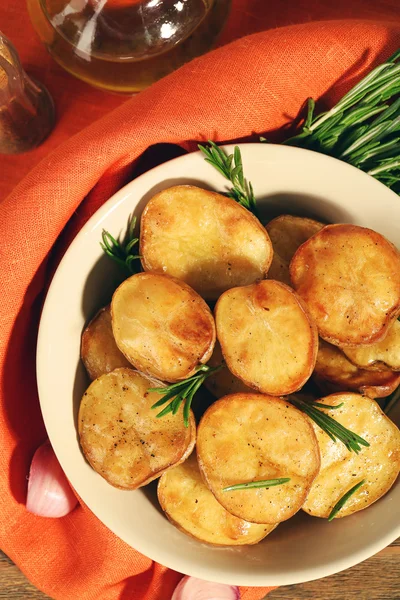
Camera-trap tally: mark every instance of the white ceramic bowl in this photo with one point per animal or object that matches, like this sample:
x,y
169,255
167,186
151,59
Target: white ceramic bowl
x,y
285,180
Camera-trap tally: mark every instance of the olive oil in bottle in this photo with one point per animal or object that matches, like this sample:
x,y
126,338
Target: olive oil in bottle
x,y
125,45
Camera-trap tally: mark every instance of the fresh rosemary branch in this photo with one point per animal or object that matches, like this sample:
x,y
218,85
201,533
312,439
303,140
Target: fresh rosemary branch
x,y
122,252
333,428
231,167
182,391
265,483
363,128
340,503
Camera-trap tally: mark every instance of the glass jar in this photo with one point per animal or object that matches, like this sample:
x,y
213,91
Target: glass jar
x,y
26,108
125,45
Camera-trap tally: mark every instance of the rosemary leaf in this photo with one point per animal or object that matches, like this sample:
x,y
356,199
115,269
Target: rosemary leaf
x,y
189,398
265,483
333,428
182,391
385,166
170,394
340,503
121,251
328,406
231,167
166,410
176,403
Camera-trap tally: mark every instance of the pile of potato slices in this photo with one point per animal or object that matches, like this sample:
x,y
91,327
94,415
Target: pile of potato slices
x,y
276,311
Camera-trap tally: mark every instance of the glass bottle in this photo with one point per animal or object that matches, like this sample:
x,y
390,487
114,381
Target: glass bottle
x,y
26,108
125,45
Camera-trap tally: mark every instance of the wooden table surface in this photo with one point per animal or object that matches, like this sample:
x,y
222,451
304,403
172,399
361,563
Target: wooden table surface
x,y
378,578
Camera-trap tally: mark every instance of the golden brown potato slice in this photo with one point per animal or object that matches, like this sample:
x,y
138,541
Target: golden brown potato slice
x,y
267,337
349,278
121,436
253,437
189,504
207,240
162,326
287,233
382,356
341,469
223,382
99,352
334,367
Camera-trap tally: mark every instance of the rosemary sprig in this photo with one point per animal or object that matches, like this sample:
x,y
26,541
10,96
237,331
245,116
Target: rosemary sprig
x,y
333,428
122,252
363,128
231,167
182,391
265,483
342,501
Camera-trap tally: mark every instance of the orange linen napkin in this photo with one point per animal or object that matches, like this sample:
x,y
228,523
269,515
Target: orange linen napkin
x,y
253,85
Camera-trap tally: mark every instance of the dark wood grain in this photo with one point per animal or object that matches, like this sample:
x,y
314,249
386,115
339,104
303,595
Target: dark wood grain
x,y
378,578
14,585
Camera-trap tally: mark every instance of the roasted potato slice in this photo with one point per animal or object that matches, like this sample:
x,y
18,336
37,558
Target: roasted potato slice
x,y
121,436
379,464
99,352
162,326
267,337
223,382
189,504
287,233
252,437
203,238
382,356
334,367
349,278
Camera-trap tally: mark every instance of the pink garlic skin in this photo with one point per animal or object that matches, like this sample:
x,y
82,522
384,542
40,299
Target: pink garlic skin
x,y
191,588
49,493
